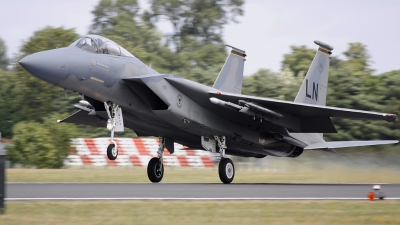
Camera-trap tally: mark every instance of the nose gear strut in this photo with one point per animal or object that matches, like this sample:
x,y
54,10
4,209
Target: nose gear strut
x,y
112,110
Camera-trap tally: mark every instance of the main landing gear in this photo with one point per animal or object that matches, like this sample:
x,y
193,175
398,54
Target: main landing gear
x,y
226,169
155,168
112,109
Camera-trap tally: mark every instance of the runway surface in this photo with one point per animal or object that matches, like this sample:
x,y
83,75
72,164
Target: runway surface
x,y
191,191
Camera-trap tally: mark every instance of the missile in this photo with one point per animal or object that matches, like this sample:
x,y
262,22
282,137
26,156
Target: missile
x,y
217,101
248,108
84,103
225,104
260,109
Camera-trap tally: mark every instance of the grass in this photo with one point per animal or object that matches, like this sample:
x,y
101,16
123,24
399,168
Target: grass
x,y
202,212
313,167
333,174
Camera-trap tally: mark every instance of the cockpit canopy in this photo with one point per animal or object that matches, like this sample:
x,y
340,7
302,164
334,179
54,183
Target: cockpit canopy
x,y
102,45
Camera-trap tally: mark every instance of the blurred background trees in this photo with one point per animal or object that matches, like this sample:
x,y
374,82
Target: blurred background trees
x,y
36,98
299,60
194,49
3,55
41,145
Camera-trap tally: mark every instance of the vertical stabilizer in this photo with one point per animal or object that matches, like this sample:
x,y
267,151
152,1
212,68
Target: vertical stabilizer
x,y
231,76
315,84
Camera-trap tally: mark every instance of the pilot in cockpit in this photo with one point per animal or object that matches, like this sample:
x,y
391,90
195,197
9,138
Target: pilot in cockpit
x,y
91,42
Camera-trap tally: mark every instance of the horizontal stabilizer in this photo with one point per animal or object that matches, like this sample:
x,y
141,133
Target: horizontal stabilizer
x,y
345,144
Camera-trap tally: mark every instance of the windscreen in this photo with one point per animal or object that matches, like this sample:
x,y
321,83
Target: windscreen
x,y
102,45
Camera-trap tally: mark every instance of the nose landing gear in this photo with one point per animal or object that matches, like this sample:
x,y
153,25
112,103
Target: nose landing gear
x,y
226,170
115,123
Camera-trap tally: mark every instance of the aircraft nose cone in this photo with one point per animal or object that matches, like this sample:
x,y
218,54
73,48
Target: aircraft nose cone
x,y
50,66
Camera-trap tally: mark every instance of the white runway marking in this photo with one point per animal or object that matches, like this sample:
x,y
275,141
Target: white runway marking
x,y
172,183
192,192
181,199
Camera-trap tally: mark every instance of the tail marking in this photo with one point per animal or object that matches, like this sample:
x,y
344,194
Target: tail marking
x,y
314,91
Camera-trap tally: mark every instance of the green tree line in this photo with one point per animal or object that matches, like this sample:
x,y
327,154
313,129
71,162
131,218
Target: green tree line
x,y
195,50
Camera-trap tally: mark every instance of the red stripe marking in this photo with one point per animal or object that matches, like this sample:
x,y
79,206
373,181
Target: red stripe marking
x,y
135,160
141,147
182,160
86,160
190,152
111,162
166,152
91,146
207,161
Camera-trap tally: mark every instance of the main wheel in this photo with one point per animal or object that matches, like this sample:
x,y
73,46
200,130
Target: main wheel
x,y
226,170
155,172
112,152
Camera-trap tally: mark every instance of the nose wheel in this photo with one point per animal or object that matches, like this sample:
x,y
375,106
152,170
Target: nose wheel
x,y
112,152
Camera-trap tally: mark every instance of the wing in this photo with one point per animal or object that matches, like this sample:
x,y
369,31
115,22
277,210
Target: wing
x,y
277,116
306,110
302,117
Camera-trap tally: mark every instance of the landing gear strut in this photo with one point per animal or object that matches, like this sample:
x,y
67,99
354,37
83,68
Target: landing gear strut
x,y
112,149
226,169
155,168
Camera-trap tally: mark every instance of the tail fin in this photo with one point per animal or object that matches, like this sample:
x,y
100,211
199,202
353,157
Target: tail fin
x,y
231,76
315,84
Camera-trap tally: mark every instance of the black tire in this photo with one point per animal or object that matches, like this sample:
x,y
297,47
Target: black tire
x,y
154,172
226,170
112,152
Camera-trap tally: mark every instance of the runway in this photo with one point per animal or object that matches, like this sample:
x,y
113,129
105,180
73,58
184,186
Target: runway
x,y
192,191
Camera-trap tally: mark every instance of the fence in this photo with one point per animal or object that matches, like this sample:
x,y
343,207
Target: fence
x,y
134,152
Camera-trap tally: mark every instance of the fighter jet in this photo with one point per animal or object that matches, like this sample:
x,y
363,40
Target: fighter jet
x,y
120,91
